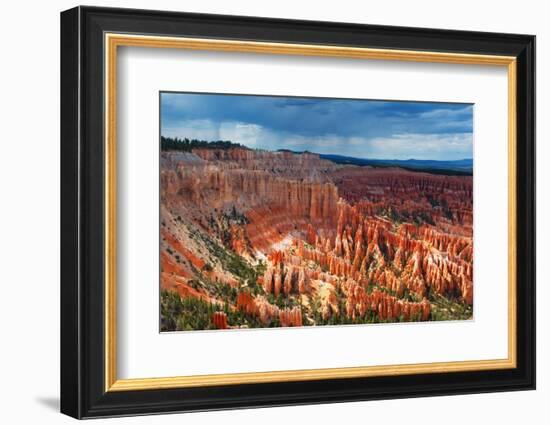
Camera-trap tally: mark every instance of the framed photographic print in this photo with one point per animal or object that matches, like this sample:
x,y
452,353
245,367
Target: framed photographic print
x,y
261,212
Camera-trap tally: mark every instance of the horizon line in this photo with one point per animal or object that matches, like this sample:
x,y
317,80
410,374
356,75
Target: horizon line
x,y
241,145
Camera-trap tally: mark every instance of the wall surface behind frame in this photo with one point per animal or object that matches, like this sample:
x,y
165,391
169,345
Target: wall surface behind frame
x,y
29,217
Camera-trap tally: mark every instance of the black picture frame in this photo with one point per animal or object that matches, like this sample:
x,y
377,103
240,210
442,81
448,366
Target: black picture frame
x,y
83,392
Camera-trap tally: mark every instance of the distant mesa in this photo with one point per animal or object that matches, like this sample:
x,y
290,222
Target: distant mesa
x,y
452,167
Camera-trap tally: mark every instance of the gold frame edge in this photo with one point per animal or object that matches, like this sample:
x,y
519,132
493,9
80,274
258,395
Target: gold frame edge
x,y
113,41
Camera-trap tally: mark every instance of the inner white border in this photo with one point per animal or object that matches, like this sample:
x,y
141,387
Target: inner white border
x,y
143,352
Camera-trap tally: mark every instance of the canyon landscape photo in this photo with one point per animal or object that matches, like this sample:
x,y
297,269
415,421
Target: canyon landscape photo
x,y
283,211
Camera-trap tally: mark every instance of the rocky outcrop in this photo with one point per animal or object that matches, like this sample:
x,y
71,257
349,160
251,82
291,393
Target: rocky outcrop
x,y
285,278
246,304
215,187
333,244
386,307
291,165
290,317
445,201
372,250
219,320
266,312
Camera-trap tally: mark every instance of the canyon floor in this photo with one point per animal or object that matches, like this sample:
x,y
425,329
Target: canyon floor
x,y
272,239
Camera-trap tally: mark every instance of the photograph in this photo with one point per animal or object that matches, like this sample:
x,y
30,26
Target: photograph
x,y
285,211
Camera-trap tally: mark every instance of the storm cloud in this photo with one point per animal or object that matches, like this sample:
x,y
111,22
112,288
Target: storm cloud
x,y
360,128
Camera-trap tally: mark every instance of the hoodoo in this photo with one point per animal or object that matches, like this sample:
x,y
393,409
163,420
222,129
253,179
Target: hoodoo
x,y
262,238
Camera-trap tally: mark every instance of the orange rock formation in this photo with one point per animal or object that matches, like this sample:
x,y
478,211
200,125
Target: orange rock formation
x,y
345,241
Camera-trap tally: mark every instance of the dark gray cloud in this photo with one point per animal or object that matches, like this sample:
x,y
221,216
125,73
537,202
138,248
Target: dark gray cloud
x,y
363,128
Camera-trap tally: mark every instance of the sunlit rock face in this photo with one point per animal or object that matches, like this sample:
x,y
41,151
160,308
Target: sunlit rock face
x,y
283,239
